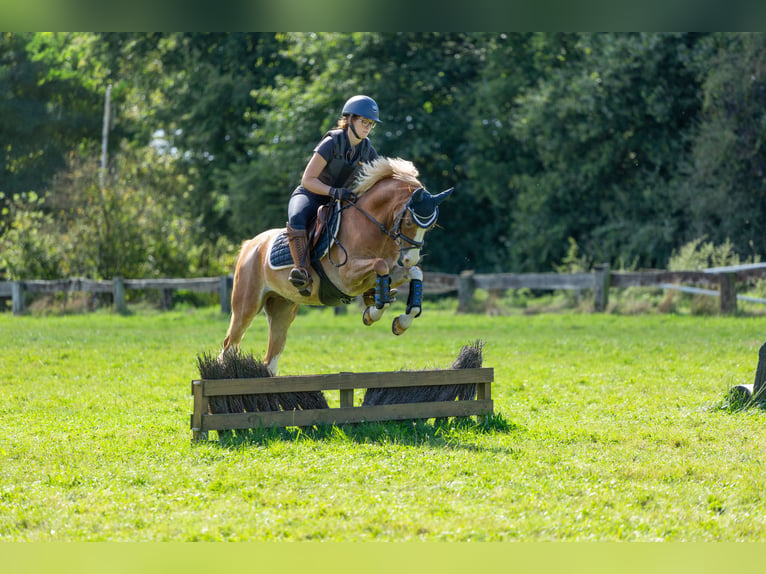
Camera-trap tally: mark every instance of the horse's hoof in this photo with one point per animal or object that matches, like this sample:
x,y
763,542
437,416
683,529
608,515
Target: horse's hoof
x,y
367,318
396,327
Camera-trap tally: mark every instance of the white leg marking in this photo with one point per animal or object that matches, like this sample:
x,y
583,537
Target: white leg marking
x,y
374,313
272,366
404,321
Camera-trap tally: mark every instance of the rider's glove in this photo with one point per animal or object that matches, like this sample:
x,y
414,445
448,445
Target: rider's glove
x,y
343,194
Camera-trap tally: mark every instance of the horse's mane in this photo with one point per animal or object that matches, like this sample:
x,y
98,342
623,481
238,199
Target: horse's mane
x,y
384,167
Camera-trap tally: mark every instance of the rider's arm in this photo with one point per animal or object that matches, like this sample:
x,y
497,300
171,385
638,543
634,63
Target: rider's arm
x,y
310,179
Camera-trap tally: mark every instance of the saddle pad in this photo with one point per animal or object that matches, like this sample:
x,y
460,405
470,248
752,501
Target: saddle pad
x,y
280,257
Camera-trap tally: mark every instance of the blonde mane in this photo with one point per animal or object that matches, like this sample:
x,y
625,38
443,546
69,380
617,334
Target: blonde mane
x,y
383,167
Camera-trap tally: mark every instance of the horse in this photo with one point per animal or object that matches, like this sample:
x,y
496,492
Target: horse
x,y
373,245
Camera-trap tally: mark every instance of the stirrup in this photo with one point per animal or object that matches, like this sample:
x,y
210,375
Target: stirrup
x,y
301,280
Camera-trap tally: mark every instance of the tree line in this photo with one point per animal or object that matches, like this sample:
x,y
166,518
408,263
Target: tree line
x,y
628,146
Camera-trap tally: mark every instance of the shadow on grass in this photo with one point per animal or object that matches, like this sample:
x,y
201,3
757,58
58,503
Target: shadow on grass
x,y
440,432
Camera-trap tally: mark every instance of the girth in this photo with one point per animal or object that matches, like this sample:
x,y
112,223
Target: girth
x,y
329,294
326,224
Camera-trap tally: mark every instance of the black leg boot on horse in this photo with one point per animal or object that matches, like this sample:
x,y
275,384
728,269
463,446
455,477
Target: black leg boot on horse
x,y
300,276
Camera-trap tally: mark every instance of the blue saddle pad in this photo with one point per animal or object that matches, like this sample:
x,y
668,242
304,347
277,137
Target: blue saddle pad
x,y
280,250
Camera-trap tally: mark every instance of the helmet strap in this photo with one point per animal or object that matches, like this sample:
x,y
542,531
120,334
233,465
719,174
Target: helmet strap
x,y
351,125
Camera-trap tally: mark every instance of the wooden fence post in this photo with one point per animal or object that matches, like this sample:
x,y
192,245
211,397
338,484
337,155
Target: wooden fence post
x,y
466,285
601,287
224,294
118,294
759,384
167,299
728,287
17,292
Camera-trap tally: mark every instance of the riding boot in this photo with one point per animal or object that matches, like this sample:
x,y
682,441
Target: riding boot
x,y
299,250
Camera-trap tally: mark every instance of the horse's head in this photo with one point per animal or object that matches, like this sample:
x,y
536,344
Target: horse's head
x,y
419,215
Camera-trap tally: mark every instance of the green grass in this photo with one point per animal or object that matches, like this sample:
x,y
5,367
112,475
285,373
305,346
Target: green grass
x,y
608,428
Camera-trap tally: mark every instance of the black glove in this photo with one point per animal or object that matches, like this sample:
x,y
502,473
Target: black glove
x,y
343,194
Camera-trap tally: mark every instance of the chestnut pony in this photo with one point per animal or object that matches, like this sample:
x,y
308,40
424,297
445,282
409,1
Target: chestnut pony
x,y
375,247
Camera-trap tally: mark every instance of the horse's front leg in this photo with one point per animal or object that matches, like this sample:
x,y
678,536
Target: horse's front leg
x,y
378,299
414,302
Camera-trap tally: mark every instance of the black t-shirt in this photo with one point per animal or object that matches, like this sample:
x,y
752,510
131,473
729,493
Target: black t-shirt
x,y
343,163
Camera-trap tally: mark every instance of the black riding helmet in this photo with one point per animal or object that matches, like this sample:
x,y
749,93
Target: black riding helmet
x,y
363,106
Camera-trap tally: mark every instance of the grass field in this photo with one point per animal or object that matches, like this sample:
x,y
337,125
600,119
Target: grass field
x,y
610,428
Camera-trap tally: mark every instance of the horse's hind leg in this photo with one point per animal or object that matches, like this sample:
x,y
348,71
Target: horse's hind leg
x,y
280,313
240,321
246,302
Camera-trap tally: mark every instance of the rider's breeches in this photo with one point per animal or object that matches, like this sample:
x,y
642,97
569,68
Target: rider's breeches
x,y
303,207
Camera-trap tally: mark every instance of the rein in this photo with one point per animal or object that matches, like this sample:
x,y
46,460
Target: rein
x,y
395,233
378,223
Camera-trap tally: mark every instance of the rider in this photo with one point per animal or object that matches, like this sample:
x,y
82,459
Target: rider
x,y
333,166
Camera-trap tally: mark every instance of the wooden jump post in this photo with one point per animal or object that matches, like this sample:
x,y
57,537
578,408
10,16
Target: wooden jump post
x,y
203,421
757,390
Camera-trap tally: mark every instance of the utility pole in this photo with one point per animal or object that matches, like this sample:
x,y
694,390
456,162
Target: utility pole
x,y
105,135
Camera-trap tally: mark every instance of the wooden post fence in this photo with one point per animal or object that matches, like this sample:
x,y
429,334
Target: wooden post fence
x,y
118,295
18,305
600,281
601,287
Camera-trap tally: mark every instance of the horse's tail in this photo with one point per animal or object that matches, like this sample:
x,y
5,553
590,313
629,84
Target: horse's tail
x,y
255,244
240,252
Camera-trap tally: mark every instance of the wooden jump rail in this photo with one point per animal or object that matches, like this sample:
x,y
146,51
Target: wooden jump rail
x,y
202,421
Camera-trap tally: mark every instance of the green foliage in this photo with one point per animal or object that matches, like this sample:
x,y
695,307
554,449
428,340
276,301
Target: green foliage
x,y
699,254
48,106
29,248
602,132
630,144
573,261
724,185
133,226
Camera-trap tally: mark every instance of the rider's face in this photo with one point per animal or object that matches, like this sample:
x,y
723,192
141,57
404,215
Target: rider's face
x,y
364,124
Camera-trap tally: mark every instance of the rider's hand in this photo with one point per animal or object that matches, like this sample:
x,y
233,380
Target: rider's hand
x,y
343,194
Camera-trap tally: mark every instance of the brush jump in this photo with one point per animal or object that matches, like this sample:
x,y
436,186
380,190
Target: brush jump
x,y
366,248
238,393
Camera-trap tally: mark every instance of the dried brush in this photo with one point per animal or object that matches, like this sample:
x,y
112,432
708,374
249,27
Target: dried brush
x,y
468,358
237,365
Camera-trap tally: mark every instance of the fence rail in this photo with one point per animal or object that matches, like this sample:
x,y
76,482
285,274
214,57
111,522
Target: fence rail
x,y
117,287
600,280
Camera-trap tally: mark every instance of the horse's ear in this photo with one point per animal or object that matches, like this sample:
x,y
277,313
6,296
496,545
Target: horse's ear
x,y
443,195
417,195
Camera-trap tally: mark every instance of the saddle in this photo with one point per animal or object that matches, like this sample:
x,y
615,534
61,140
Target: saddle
x,y
321,222
322,230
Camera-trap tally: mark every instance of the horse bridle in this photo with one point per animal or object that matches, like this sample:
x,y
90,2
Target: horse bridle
x,y
395,233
